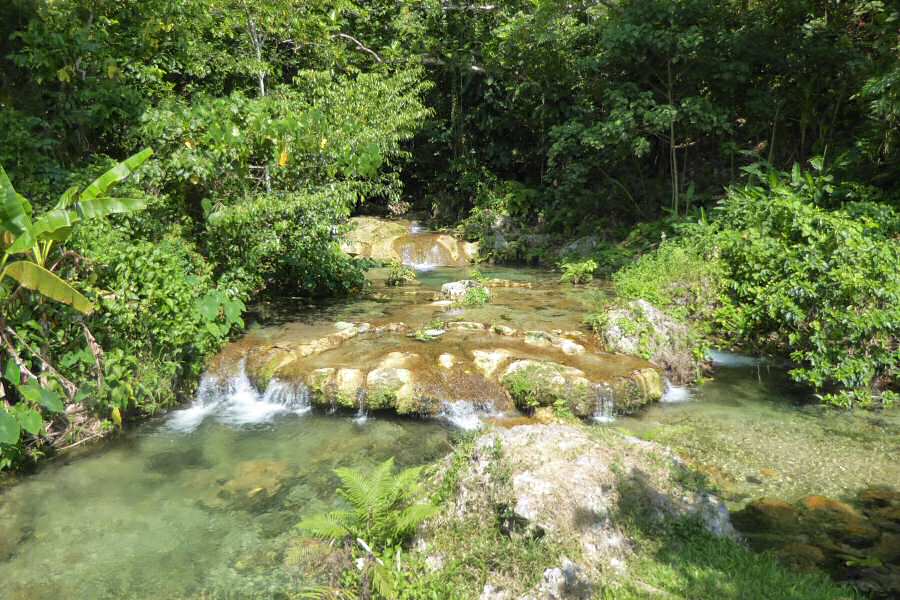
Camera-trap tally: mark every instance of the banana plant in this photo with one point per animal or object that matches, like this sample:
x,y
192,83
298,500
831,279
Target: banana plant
x,y
27,242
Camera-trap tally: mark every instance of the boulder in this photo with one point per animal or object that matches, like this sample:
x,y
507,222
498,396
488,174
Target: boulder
x,y
563,483
456,290
348,383
533,383
640,329
566,582
488,361
390,387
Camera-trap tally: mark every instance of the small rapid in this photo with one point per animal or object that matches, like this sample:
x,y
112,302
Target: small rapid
x,y
234,400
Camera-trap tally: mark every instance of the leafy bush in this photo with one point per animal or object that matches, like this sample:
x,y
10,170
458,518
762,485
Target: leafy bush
x,y
778,272
160,314
475,296
578,272
321,129
678,276
279,243
399,274
820,285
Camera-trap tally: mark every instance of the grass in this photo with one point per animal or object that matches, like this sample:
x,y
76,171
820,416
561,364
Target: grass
x,y
681,560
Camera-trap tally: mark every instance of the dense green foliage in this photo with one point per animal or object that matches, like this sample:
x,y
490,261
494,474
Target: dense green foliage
x,y
269,125
525,124
779,271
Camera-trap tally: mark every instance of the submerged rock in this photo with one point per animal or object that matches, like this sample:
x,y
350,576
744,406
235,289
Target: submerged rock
x,y
640,329
852,543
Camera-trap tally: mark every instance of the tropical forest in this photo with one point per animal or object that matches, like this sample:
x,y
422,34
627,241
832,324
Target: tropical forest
x,y
449,299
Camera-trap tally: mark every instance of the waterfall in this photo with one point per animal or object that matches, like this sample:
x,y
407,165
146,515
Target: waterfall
x,y
467,415
675,393
236,401
362,415
604,412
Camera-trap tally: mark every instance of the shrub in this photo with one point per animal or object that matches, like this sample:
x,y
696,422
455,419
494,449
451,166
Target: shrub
x,y
819,285
399,274
778,272
475,296
160,315
678,276
285,243
578,272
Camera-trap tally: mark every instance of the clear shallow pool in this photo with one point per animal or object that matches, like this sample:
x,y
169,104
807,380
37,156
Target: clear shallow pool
x,y
163,514
754,433
201,503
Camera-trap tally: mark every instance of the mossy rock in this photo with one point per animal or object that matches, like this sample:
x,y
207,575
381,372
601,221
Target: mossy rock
x,y
639,388
390,387
532,384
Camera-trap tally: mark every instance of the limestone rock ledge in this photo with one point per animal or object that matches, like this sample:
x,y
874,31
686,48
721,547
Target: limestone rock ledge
x,y
572,485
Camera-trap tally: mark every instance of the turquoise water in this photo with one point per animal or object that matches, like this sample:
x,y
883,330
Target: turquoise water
x,y
162,514
753,433
202,503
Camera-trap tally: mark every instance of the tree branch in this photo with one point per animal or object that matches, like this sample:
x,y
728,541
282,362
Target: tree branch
x,y
359,45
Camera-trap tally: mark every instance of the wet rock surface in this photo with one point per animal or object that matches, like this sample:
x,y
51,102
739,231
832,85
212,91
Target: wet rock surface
x,y
857,542
398,240
397,367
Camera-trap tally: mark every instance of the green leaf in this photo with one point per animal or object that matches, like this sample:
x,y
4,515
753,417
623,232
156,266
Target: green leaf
x,y
30,420
65,201
208,307
14,209
101,207
9,428
12,373
55,224
52,401
37,278
119,172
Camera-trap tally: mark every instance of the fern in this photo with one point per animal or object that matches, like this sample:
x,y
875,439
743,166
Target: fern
x,y
381,510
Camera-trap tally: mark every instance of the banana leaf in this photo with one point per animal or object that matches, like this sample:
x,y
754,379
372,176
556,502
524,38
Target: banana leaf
x,y
36,278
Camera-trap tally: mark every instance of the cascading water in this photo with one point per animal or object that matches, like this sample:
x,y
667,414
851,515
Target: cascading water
x,y
362,415
423,254
466,415
675,393
606,404
236,401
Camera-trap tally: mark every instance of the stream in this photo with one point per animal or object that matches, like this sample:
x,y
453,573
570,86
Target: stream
x,y
202,502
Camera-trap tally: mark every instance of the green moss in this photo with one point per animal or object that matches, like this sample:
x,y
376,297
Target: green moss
x,y
381,398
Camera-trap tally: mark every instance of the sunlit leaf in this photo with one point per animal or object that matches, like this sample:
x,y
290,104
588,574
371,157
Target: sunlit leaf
x,y
30,420
119,172
36,278
101,207
9,428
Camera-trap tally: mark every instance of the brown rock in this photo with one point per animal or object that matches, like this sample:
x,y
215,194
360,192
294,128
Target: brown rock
x,y
802,556
839,520
768,515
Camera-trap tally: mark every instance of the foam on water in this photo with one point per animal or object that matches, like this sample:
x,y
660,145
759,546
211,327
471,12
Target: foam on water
x,y
234,400
676,393
464,415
